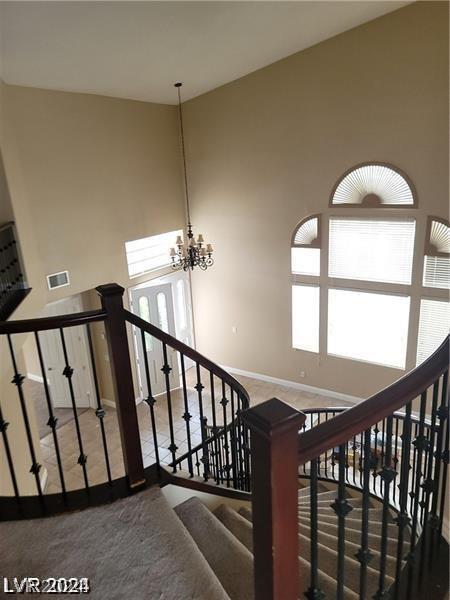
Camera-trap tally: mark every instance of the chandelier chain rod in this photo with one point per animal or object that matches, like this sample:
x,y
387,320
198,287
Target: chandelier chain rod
x,y
183,151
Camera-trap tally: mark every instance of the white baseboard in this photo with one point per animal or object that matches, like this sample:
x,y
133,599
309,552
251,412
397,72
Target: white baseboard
x,y
107,402
294,384
112,404
37,378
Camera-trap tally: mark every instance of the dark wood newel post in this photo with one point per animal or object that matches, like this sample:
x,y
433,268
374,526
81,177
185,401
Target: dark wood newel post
x,y
274,454
119,354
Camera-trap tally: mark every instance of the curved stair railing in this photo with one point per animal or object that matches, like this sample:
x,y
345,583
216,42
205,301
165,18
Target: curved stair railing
x,y
392,447
200,433
190,434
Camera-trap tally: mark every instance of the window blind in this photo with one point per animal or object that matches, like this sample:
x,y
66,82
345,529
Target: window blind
x,y
305,261
433,326
367,326
150,253
371,249
305,317
436,272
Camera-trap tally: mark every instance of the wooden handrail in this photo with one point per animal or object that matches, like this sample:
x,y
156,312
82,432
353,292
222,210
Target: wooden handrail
x,y
190,353
55,322
340,409
383,404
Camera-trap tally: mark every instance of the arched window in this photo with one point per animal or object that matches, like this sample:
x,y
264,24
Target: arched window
x,y
357,291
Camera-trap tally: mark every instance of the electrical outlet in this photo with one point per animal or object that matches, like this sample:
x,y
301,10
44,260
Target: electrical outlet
x,y
302,374
234,329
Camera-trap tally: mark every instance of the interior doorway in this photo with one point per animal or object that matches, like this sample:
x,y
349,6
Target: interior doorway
x,y
78,357
166,303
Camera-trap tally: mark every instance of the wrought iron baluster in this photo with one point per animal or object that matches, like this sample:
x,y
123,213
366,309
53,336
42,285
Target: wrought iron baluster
x,y
314,593
428,484
341,507
382,453
354,459
238,429
387,476
402,519
346,463
52,421
395,459
326,453
376,458
413,472
150,400
420,444
233,441
445,458
18,380
364,556
442,415
360,462
246,451
3,427
304,429
227,465
197,463
186,415
99,411
333,457
166,369
215,429
203,423
318,459
68,373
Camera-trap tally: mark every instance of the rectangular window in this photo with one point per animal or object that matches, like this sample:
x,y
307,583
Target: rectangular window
x,y
305,317
371,249
150,253
436,272
305,261
367,326
433,326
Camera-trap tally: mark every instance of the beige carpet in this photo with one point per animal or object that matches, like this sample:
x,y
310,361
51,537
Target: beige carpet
x,y
133,549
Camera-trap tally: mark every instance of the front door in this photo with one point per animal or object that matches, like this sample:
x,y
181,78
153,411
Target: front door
x,y
155,305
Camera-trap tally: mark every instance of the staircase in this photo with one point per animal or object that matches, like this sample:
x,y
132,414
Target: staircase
x,y
370,526
224,537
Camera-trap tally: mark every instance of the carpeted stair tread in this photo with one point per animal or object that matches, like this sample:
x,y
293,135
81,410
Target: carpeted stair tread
x,y
321,496
131,548
328,560
351,548
327,584
230,560
327,512
304,492
246,512
242,528
354,535
239,526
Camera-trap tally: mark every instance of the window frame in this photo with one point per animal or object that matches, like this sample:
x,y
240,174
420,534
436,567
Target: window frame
x,y
416,289
402,174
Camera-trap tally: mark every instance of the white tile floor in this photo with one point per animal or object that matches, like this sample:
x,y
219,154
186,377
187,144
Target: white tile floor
x,y
259,391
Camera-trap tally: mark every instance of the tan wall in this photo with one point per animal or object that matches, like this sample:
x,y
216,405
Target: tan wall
x,y
85,174
6,212
9,398
95,172
265,152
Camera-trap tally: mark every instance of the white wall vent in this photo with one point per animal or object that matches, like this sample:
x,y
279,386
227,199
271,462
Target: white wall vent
x,y
57,280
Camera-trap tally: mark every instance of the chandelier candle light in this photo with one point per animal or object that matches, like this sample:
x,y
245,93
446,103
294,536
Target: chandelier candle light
x,y
193,252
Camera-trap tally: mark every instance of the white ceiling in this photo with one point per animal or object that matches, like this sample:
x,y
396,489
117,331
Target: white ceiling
x,y
139,49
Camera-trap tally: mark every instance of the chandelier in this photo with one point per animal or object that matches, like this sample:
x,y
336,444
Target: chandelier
x,y
191,252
